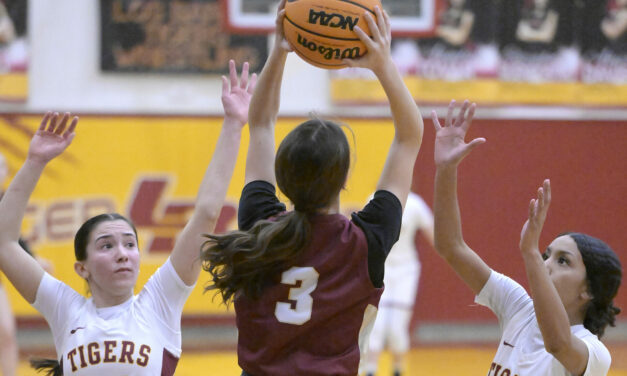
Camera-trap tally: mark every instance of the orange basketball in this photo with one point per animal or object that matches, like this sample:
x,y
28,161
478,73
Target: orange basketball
x,y
321,31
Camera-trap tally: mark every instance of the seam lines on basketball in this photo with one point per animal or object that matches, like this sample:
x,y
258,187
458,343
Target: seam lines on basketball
x,y
318,34
358,5
318,63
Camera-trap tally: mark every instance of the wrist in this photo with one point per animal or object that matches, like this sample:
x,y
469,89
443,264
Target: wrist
x,y
35,162
386,70
446,168
232,125
278,51
531,254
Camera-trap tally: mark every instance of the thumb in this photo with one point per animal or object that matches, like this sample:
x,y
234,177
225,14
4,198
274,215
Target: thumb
x,y
474,143
471,145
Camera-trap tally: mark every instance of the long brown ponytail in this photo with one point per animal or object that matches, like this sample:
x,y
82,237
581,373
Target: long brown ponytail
x,y
311,168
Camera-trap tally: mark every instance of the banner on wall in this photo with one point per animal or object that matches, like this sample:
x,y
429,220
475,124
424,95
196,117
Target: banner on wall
x,y
148,169
13,51
539,52
172,36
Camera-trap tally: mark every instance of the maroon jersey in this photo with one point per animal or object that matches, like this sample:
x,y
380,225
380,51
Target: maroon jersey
x,y
315,321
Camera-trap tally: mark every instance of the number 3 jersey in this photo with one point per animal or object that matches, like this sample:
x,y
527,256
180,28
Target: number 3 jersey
x,y
141,336
315,319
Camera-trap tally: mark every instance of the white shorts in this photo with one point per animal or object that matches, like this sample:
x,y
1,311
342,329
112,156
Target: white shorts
x,y
391,327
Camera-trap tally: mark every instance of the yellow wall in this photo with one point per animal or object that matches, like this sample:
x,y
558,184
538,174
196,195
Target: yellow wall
x,y
111,155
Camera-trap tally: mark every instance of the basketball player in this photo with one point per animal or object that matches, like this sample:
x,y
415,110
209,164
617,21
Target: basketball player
x,y
115,332
573,283
402,272
306,283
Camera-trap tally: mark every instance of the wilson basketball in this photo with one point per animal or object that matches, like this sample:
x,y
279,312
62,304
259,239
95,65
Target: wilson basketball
x,y
321,31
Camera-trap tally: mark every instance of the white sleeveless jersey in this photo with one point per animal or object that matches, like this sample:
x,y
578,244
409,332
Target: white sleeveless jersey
x,y
521,350
416,215
141,336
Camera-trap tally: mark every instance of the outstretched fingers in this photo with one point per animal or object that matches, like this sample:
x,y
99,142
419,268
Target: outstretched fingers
x,y
69,133
436,121
62,124
44,120
243,82
449,113
547,191
225,86
470,115
539,206
52,123
252,83
233,74
474,143
462,113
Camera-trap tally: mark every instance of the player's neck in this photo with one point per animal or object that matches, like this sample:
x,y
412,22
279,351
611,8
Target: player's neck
x,y
333,208
108,300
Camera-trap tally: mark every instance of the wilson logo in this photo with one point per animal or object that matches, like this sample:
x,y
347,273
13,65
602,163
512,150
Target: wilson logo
x,y
329,53
334,20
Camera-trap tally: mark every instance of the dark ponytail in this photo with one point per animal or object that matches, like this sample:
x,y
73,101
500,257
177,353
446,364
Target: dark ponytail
x,y
247,261
311,167
51,367
604,275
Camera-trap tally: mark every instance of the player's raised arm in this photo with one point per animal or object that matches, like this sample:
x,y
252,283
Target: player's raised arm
x,y
552,317
51,139
450,149
236,94
408,126
264,108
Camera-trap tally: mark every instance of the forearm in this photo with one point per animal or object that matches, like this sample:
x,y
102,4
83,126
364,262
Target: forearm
x,y
550,312
405,114
215,183
264,104
446,215
14,202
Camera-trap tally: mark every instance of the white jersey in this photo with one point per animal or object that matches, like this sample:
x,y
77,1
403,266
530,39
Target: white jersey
x,y
416,215
141,336
521,350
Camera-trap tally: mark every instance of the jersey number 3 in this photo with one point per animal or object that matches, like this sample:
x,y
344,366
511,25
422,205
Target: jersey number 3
x,y
299,312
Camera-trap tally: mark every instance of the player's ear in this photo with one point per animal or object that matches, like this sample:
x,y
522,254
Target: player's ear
x,y
586,295
81,270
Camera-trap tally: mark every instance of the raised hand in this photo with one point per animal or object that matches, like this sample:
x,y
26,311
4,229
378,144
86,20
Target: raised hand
x,y
279,36
538,208
378,55
236,93
52,137
450,147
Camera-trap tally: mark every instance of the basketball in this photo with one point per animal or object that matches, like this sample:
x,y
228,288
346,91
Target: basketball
x,y
321,31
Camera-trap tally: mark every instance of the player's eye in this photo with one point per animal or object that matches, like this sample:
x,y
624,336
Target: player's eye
x,y
545,256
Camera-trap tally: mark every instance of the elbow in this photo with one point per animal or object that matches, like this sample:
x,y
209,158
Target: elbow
x,y
208,213
449,246
445,248
556,344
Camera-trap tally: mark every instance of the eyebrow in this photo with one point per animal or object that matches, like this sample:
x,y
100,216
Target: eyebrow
x,y
110,236
549,250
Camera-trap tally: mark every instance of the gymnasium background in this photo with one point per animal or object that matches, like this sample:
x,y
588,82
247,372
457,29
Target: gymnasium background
x,y
145,138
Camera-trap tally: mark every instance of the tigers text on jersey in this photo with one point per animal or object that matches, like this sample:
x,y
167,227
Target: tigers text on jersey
x,y
521,350
141,336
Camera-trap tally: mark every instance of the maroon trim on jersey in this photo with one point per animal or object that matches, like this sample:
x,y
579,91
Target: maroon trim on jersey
x,y
168,363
